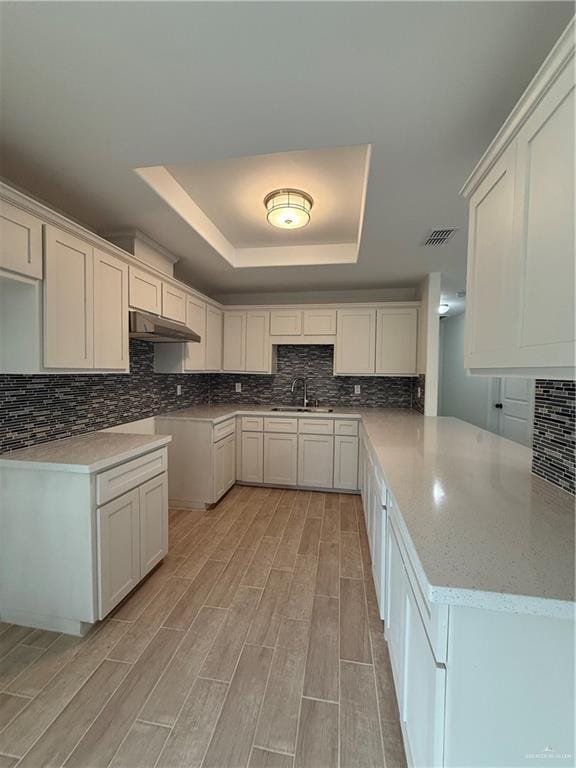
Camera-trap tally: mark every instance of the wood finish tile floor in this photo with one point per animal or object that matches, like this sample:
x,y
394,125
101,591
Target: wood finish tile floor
x,y
256,644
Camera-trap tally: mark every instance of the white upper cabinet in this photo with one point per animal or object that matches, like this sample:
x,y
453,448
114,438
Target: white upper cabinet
x,y
145,291
20,241
355,341
68,301
285,322
319,322
520,292
234,355
396,341
110,312
173,303
258,348
195,354
213,352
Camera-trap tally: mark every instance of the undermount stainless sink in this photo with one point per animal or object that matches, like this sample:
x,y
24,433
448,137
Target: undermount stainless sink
x,y
300,409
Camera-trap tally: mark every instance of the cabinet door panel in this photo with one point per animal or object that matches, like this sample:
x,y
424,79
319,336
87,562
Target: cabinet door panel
x,y
234,357
316,461
110,312
20,241
196,320
252,457
118,549
280,459
285,322
224,465
396,339
396,609
68,301
153,522
213,339
319,322
145,291
346,463
173,303
258,341
356,341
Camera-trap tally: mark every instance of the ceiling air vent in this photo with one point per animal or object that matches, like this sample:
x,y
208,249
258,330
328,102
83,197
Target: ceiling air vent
x,y
440,236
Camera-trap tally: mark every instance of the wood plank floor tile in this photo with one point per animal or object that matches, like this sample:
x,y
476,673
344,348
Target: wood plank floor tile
x,y
393,744
223,591
59,740
12,636
173,687
328,575
51,661
316,506
330,523
232,740
286,555
4,626
140,749
189,605
302,587
227,546
41,638
131,608
264,758
354,638
384,681
15,662
375,623
266,621
348,521
278,722
322,667
360,738
350,558
223,656
190,736
278,522
100,742
10,706
310,536
7,762
257,572
317,735
256,530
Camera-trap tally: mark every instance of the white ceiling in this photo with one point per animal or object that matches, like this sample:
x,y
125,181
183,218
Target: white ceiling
x,y
92,90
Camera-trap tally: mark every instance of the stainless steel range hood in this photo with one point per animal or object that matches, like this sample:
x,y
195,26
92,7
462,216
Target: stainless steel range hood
x,y
158,330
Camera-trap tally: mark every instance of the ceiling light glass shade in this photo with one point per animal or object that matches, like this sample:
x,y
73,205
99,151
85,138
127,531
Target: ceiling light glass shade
x,y
443,309
288,208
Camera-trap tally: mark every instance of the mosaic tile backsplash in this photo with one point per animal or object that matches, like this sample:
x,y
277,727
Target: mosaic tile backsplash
x,y
554,441
34,409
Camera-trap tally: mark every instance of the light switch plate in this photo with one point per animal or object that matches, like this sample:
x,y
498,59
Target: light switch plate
x,y
356,389
238,387
178,389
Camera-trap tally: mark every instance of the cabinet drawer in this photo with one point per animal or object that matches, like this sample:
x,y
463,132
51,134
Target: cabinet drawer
x,y
346,427
223,429
315,426
252,423
280,425
121,479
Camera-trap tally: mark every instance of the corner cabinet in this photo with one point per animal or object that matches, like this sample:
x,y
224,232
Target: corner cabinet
x,y
520,289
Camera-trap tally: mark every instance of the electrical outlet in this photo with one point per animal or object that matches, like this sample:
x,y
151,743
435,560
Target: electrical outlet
x,y
418,392
178,389
356,389
238,387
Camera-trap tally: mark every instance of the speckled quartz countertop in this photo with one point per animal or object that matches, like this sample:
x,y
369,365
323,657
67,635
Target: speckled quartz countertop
x,y
92,452
216,413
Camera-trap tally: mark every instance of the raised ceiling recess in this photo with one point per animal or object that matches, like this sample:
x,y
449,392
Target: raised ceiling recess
x,y
224,203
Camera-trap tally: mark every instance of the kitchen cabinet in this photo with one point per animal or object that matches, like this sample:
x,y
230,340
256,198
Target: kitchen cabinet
x,y
345,462
315,461
20,241
319,322
68,301
224,465
145,291
153,500
173,303
286,322
520,285
396,606
258,348
110,312
213,352
252,457
195,352
396,341
355,342
280,459
234,341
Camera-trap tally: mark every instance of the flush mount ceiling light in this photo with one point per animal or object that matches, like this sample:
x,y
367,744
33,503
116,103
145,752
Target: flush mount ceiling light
x,y
288,208
443,309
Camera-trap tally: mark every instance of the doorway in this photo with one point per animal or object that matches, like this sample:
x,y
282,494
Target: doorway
x,y
512,409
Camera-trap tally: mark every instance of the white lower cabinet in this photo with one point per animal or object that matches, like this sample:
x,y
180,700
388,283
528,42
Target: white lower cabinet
x,y
280,458
345,463
316,461
153,522
396,605
224,465
252,457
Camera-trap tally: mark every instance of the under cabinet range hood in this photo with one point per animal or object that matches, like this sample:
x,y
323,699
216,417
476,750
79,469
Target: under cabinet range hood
x,y
158,330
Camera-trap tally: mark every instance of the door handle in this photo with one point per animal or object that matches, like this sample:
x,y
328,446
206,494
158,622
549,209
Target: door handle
x,y
498,405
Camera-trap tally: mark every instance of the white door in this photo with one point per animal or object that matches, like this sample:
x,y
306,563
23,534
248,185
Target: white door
x,y
252,457
68,301
280,459
316,461
234,356
110,312
173,303
355,341
153,522
145,291
224,465
346,462
20,241
213,359
396,339
513,408
118,549
196,321
258,347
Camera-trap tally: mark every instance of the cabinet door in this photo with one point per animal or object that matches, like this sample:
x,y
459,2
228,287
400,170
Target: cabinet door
x,y
258,346
319,322
346,463
492,282
224,465
234,357
20,241
195,356
252,457
280,459
396,608
68,301
173,303
118,549
110,312
545,214
153,522
213,355
396,340
145,291
285,322
356,341
316,461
